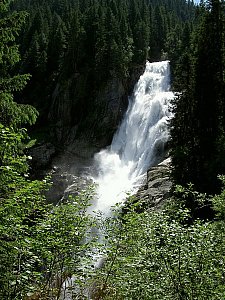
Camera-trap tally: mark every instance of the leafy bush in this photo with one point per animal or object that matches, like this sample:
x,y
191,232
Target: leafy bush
x,y
157,255
41,245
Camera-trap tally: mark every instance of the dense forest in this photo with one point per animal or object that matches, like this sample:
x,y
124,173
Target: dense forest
x,y
78,49
198,128
56,58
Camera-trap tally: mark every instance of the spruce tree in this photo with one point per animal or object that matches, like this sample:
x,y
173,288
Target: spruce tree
x,y
198,127
11,114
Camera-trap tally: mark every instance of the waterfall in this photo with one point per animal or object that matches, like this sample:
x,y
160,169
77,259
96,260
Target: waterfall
x,y
137,145
139,141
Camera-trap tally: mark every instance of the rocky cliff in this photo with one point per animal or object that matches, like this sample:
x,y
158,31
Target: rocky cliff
x,y
80,110
155,189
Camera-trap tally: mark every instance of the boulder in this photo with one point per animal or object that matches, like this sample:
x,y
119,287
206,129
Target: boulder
x,y
156,187
42,155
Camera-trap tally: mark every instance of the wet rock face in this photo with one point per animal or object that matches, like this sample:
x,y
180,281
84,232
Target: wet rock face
x,y
65,185
69,170
42,155
110,104
80,111
156,187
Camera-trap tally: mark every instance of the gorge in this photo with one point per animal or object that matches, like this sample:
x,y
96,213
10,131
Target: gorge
x,y
140,140
67,72
138,144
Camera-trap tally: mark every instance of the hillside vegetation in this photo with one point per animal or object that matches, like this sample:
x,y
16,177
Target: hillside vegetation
x,y
177,252
85,53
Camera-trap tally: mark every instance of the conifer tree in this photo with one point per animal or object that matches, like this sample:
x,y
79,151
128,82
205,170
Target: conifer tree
x,y
198,128
11,114
80,45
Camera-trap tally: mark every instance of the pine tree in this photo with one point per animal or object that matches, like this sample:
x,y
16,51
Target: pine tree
x,y
198,127
11,114
80,45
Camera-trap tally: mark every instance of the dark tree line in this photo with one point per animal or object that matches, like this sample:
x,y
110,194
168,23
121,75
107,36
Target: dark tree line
x,y
73,48
79,45
198,129
42,244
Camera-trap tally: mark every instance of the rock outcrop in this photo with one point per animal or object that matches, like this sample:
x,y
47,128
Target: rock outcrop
x,y
80,110
155,189
42,155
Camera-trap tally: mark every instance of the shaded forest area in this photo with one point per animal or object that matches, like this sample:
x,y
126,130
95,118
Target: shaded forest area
x,y
75,50
172,253
198,129
85,56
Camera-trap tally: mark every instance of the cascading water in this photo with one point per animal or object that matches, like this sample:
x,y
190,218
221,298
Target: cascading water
x,y
140,139
137,145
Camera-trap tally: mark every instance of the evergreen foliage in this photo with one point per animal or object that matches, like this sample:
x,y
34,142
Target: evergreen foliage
x,y
166,254
11,114
39,244
78,46
198,127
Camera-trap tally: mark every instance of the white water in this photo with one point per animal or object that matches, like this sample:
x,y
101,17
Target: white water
x,y
137,145
139,141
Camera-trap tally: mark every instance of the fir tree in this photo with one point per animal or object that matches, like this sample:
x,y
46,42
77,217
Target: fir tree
x,y
198,128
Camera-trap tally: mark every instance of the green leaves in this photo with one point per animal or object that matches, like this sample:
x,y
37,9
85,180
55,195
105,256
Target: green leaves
x,y
198,125
41,245
157,255
12,114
